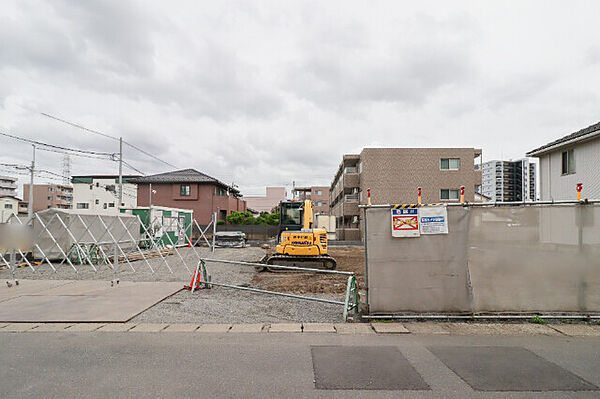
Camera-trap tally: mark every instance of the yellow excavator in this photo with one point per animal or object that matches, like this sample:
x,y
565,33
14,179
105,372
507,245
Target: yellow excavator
x,y
299,243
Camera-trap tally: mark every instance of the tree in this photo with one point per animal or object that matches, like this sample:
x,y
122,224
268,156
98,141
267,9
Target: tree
x,y
247,218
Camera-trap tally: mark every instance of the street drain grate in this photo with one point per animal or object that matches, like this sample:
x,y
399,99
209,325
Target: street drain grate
x,y
500,368
364,367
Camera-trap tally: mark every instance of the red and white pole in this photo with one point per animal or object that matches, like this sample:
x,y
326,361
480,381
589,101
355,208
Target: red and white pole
x,y
368,196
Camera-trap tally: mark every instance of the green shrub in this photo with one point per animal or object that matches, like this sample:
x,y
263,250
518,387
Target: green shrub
x,y
247,218
537,320
220,222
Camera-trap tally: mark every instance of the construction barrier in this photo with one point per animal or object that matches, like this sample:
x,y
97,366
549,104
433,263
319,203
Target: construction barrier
x,y
99,242
522,258
202,279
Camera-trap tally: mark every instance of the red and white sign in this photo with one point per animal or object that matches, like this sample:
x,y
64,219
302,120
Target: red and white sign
x,y
405,222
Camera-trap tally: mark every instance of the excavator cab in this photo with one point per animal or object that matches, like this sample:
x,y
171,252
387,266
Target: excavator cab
x,y
291,214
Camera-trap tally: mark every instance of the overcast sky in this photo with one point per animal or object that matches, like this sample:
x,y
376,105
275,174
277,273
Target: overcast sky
x,y
266,93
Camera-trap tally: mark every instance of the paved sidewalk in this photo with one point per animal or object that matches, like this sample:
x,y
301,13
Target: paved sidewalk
x,y
425,328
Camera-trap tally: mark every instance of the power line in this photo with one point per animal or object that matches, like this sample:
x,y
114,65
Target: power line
x,y
132,168
57,147
108,136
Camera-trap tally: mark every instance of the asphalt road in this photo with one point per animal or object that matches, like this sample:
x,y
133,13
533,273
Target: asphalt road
x,y
182,365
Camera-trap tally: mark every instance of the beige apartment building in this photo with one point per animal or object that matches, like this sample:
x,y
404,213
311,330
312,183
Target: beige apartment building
x,y
318,194
393,175
47,196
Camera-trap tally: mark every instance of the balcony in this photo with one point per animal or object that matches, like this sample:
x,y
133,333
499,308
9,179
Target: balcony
x,y
350,209
8,185
351,180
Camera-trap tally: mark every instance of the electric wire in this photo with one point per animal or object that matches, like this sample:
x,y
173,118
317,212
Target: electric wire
x,y
57,147
108,136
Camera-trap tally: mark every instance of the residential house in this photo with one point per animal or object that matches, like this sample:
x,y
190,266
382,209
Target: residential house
x,y
190,189
9,206
568,161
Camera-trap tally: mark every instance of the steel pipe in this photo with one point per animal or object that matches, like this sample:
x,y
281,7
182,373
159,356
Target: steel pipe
x,y
307,298
306,269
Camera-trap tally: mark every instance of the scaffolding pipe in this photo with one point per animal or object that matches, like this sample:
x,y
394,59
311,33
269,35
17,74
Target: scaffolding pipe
x,y
304,269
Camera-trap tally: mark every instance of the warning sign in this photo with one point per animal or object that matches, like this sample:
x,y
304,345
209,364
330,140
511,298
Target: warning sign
x,y
433,220
405,222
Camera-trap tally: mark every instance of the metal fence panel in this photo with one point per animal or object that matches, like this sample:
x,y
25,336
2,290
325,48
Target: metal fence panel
x,y
543,258
425,274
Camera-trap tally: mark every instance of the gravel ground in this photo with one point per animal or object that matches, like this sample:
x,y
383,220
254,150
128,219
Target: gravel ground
x,y
217,305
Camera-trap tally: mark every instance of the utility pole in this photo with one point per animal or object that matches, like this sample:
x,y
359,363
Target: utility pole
x,y
30,208
120,172
150,194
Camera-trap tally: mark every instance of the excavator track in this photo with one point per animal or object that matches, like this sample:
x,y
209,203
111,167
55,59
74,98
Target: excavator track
x,y
313,262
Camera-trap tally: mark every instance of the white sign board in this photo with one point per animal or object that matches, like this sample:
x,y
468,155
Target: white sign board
x,y
405,222
433,220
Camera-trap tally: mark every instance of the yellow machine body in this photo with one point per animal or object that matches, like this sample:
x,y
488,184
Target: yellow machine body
x,y
306,242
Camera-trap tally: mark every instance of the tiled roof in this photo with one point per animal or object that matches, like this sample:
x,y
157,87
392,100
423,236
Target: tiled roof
x,y
579,134
180,176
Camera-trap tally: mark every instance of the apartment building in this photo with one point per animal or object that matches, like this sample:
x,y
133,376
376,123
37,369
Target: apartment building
x,y
274,195
190,189
568,161
99,194
509,181
318,194
8,186
393,175
47,196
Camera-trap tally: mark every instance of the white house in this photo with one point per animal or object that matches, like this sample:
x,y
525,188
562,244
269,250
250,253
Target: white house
x,y
568,161
9,206
99,194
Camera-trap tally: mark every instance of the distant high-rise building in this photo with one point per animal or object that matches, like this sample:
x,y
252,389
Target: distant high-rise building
x,y
509,181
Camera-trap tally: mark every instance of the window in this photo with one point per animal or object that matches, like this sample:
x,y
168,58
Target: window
x,y
319,203
97,202
111,204
449,163
105,205
49,198
97,184
221,192
184,190
7,206
448,194
318,192
83,205
568,162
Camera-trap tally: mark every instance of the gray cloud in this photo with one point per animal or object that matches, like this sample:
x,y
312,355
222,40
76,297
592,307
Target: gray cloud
x,y
268,93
